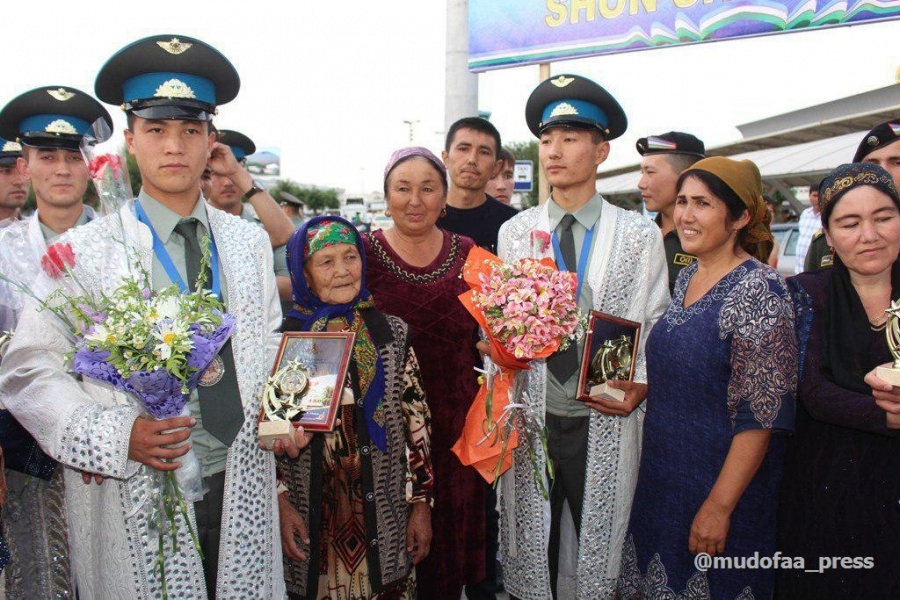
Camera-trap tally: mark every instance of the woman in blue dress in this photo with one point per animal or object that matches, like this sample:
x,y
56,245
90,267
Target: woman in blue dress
x,y
722,375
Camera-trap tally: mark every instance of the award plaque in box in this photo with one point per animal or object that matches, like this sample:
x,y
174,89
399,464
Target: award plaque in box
x,y
610,346
306,385
891,371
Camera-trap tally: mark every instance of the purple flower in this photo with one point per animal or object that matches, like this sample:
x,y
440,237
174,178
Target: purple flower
x,y
159,391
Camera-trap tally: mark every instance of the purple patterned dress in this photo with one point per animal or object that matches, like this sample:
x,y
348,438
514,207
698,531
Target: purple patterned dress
x,y
725,364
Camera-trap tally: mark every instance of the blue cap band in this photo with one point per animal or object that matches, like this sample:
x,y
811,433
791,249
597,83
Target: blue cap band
x,y
54,124
560,109
169,85
238,152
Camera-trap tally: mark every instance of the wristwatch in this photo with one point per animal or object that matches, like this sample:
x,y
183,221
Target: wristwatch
x,y
256,188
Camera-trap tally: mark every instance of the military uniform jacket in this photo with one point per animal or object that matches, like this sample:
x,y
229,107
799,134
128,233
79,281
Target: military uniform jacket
x,y
87,426
628,279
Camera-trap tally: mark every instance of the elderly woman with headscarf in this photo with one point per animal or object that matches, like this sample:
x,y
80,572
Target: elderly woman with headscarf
x,y
722,372
355,515
413,272
842,479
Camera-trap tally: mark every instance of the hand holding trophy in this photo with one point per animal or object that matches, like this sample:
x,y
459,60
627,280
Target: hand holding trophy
x,y
891,371
610,347
306,386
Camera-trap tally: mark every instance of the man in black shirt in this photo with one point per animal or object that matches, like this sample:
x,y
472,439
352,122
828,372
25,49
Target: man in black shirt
x,y
663,158
472,153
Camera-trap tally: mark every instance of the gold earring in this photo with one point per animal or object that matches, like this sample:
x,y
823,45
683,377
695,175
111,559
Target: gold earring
x,y
444,212
387,212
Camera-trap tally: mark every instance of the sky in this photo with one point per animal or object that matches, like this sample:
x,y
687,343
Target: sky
x,y
330,84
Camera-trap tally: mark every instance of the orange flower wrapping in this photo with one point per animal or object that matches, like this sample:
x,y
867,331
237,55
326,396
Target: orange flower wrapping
x,y
484,443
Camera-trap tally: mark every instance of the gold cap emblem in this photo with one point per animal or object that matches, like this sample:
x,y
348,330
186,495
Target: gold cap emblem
x,y
175,46
61,94
562,81
61,126
174,88
11,147
564,108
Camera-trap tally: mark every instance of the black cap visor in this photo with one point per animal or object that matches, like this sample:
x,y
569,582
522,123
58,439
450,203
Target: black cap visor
x,y
166,109
573,121
51,141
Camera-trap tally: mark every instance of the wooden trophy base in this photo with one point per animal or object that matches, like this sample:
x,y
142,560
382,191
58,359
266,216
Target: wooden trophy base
x,y
888,373
269,431
607,392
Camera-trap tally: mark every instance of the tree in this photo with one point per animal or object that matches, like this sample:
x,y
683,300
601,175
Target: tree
x,y
134,174
315,199
528,151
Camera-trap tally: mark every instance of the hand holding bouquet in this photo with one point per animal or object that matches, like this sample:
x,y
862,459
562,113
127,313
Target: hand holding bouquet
x,y
155,346
528,310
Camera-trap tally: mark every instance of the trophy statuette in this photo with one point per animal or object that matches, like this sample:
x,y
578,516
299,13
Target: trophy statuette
x,y
611,361
891,372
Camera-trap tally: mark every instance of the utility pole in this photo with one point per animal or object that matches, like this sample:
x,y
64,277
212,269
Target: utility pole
x,y
460,85
411,125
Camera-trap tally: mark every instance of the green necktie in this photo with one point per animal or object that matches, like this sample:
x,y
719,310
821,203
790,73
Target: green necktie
x,y
220,404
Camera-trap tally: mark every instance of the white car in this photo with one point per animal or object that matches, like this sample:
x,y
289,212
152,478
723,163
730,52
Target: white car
x,y
786,234
380,221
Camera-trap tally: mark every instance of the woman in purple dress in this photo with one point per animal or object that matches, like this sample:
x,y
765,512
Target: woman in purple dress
x,y
842,479
413,272
721,374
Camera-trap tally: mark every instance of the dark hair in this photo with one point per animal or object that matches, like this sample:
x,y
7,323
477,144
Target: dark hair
x,y
441,172
478,124
718,188
681,162
508,158
130,117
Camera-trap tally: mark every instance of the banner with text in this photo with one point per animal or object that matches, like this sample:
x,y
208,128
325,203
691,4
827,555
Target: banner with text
x,y
505,33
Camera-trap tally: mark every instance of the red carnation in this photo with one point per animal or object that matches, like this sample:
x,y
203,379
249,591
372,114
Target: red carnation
x,y
58,258
97,166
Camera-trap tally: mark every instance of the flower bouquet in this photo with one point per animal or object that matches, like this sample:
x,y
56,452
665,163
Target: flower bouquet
x,y
155,346
528,310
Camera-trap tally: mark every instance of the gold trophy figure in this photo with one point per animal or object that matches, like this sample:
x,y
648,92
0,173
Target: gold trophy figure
x,y
282,401
611,361
891,372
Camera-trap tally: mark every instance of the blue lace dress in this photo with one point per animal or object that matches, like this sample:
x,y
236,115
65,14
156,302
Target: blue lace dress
x,y
725,364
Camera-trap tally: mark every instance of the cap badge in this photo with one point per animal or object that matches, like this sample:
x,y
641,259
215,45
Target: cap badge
x,y
175,46
61,126
895,128
11,147
872,140
174,88
61,94
564,108
658,143
562,81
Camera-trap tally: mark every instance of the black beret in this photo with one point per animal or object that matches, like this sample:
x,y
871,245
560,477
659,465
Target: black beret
x,y
673,142
880,136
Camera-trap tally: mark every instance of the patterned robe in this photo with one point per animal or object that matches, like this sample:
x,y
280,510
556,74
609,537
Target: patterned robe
x,y
357,499
628,278
88,426
34,519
